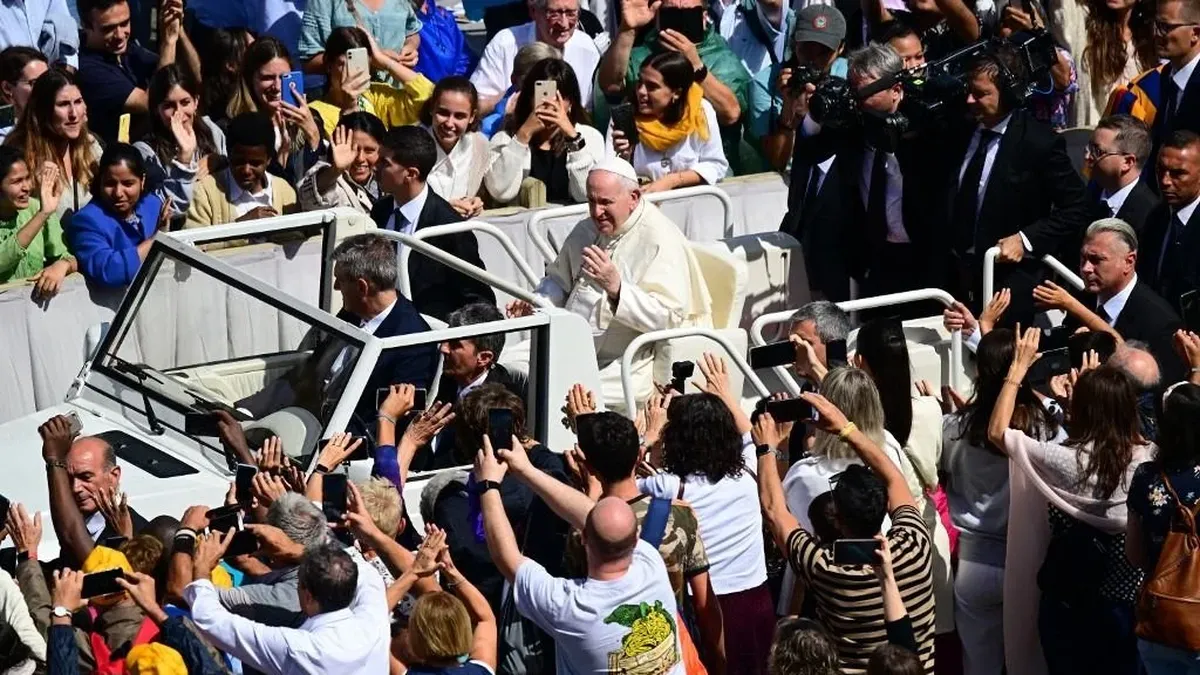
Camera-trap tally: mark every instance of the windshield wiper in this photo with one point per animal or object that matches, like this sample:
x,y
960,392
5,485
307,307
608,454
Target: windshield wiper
x,y
140,372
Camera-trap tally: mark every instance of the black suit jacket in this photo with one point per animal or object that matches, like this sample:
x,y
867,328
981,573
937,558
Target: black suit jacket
x,y
438,290
1187,277
1138,206
820,227
1186,116
426,459
1148,318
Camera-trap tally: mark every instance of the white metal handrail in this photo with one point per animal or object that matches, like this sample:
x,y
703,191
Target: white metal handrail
x,y
757,338
989,272
468,226
540,241
658,336
459,265
251,228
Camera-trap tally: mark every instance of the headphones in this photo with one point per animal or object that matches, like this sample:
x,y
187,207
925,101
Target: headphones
x,y
1012,91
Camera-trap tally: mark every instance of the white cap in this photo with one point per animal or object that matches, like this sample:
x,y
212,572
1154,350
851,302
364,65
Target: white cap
x,y
618,166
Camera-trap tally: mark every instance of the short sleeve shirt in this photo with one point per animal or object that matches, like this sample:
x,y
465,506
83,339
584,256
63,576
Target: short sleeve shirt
x,y
106,81
849,601
390,26
1150,499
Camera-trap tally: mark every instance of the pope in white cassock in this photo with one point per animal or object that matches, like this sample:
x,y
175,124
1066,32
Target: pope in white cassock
x,y
628,270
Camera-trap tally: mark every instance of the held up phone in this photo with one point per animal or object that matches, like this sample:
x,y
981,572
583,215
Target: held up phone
x,y
622,115
114,542
123,128
1189,308
791,410
200,424
544,90
285,86
500,428
224,518
243,543
333,496
687,21
774,354
357,61
855,551
102,583
1056,338
5,505
680,372
245,474
1053,362
835,354
76,423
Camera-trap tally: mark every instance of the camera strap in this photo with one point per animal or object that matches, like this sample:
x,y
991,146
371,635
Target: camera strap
x,y
752,22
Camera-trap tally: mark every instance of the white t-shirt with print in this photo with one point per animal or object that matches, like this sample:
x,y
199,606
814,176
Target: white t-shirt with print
x,y
623,625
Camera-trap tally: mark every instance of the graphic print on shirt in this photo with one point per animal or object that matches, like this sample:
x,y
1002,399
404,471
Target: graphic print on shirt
x,y
650,645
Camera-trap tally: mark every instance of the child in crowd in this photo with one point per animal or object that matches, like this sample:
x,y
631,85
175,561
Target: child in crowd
x,y
244,191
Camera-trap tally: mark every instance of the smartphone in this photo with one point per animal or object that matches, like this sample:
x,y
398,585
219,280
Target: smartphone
x,y
500,428
102,583
1052,362
1056,338
76,423
123,128
688,21
114,542
245,474
357,61
333,496
774,354
224,519
544,90
243,543
835,353
285,84
1189,309
200,424
791,410
680,372
855,551
622,116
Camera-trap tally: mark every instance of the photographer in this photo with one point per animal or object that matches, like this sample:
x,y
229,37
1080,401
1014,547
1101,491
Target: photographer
x,y
942,25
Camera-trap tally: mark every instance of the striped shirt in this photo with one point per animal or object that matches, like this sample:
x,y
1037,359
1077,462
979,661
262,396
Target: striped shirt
x,y
850,601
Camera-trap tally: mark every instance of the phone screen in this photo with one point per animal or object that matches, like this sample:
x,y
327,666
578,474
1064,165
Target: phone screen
x,y
245,474
791,410
1052,362
688,21
101,583
1054,339
835,353
224,518
1189,306
855,551
774,354
333,496
200,424
500,428
623,121
243,543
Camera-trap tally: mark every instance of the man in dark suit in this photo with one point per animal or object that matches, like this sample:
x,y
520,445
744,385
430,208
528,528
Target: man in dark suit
x,y
1177,33
1170,260
1010,184
406,157
467,364
1114,158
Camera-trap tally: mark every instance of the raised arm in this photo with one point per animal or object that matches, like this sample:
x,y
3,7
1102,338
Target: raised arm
x,y
484,641
770,488
1024,356
1051,295
73,536
635,14
501,542
570,504
398,559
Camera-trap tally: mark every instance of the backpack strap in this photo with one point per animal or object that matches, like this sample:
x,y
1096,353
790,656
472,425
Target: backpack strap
x,y
654,525
1189,515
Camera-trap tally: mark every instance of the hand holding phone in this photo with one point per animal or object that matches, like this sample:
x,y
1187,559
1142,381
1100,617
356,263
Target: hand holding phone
x,y
855,551
500,428
102,583
285,83
358,61
333,496
774,354
244,477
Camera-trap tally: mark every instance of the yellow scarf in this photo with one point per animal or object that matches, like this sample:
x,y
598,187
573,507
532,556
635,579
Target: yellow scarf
x,y
657,136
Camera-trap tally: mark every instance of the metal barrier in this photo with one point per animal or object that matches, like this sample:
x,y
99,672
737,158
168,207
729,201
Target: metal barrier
x,y
658,336
921,295
250,228
989,272
468,226
534,225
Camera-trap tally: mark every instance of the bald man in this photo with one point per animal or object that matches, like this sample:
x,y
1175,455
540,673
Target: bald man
x,y
626,592
81,474
1135,360
627,270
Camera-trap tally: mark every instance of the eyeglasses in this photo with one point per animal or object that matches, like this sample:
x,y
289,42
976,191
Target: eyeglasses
x,y
569,14
1096,153
1164,27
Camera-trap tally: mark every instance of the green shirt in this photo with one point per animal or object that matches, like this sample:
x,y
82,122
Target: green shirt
x,y
22,263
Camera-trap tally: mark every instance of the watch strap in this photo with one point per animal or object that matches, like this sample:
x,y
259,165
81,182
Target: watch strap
x,y
56,463
485,485
61,611
701,74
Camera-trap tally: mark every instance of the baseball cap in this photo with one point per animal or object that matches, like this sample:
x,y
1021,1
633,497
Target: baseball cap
x,y
821,24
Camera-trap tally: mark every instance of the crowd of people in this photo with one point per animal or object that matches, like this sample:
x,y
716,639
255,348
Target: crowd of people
x,y
686,536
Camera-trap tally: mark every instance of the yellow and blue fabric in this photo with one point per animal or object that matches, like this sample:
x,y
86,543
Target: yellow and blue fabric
x,y
1141,97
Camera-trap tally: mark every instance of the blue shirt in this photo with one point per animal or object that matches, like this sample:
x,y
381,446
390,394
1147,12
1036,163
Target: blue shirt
x,y
106,82
494,121
106,246
45,25
390,26
443,51
277,18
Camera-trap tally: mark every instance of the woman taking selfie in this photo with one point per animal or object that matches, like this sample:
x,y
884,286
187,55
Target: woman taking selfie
x,y
111,236
349,92
1088,587
20,67
182,147
54,129
547,138
452,117
298,128
678,141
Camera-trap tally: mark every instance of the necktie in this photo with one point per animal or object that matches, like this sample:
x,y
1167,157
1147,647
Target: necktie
x,y
1103,314
400,221
811,191
877,199
1170,102
966,201
1171,249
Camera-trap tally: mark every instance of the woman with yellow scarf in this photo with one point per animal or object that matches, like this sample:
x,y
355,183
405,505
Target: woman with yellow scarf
x,y
678,143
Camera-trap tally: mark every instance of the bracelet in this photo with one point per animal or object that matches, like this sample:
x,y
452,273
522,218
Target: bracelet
x,y
186,532
850,428
56,463
323,470
1015,383
388,418
1196,369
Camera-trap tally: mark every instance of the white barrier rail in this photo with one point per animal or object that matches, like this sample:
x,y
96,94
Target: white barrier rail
x,y
478,226
989,272
638,342
251,228
757,338
540,241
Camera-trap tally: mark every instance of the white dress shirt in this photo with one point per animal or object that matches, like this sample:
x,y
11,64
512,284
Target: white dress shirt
x,y
1117,199
1185,215
244,202
475,384
493,76
351,640
1181,77
989,159
705,157
460,173
95,525
1112,307
896,234
822,170
411,210
370,325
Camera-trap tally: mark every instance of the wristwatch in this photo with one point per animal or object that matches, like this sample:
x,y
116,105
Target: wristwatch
x,y
56,463
764,449
701,74
576,143
61,612
485,485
